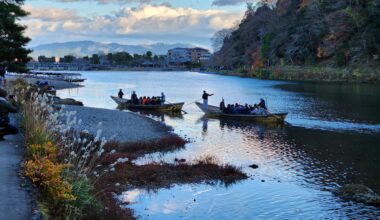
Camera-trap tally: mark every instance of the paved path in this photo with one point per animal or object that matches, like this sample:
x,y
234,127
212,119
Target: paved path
x,y
15,201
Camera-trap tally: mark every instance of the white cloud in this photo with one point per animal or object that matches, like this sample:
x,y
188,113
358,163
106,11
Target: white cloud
x,y
111,1
50,14
228,2
153,23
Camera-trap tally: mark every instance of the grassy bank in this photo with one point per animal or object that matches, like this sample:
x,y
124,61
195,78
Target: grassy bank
x,y
77,174
311,73
59,168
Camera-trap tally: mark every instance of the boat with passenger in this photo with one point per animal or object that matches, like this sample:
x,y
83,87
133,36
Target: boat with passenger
x,y
165,107
214,111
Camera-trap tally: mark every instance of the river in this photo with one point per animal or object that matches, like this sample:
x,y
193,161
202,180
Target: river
x,y
333,138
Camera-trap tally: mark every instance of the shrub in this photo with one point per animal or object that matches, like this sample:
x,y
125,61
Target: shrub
x,y
60,161
46,174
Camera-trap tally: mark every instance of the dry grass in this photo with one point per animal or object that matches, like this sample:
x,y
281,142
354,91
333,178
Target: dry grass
x,y
134,150
163,175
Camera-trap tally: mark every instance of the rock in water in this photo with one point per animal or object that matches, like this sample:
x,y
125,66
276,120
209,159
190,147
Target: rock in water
x,y
68,101
359,193
254,166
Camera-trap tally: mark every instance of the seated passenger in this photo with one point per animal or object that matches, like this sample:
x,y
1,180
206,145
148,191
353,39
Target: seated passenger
x,y
134,97
255,111
239,109
154,100
144,100
246,108
227,110
148,100
141,101
259,111
231,109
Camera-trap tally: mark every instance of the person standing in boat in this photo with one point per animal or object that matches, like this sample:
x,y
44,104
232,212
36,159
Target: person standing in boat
x,y
222,106
205,99
163,97
262,104
120,94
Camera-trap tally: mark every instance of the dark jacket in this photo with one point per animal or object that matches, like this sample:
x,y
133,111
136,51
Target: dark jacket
x,y
5,109
2,71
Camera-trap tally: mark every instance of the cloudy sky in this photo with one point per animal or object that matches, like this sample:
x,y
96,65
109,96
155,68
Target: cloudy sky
x,y
130,21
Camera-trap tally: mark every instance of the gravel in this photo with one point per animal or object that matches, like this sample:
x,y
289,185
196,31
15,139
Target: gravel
x,y
58,84
118,125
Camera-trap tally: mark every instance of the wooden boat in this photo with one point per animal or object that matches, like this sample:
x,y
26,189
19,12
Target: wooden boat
x,y
214,111
172,107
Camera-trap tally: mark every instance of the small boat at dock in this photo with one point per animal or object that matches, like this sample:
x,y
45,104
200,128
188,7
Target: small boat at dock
x,y
214,111
170,107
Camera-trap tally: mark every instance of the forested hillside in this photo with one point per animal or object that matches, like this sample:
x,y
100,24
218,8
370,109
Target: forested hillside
x,y
334,33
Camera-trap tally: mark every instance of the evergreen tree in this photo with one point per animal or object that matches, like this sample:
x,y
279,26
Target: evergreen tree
x,y
13,53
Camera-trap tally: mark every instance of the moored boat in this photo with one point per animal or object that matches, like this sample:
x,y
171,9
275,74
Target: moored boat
x,y
214,111
171,107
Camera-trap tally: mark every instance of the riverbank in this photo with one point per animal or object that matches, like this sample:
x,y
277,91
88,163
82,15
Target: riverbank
x,y
310,74
92,149
118,125
57,84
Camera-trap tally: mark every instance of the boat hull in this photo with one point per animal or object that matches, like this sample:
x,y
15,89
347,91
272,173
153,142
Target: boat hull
x,y
173,107
213,111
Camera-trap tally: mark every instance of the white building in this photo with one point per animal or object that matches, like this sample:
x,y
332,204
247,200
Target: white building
x,y
183,55
179,55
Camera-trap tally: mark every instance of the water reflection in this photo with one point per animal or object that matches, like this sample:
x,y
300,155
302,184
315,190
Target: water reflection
x,y
159,116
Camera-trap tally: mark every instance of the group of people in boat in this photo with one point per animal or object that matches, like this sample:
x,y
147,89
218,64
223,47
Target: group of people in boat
x,y
144,100
256,109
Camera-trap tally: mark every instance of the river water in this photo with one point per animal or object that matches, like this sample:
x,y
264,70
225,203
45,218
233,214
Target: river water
x,y
333,139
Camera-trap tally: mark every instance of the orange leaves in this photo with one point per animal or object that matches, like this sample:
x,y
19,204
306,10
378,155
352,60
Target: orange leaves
x,y
42,150
256,60
303,4
319,52
46,174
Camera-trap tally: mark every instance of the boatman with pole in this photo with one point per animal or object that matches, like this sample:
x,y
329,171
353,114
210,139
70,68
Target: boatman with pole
x,y
120,94
205,99
163,98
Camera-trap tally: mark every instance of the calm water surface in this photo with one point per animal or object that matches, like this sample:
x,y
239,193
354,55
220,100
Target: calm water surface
x,y
333,139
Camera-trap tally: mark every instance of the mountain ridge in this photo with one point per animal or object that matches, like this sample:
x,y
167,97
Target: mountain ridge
x,y
88,47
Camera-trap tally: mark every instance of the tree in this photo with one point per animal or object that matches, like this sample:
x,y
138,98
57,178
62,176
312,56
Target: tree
x,y
68,59
13,53
218,39
95,59
42,59
149,55
110,58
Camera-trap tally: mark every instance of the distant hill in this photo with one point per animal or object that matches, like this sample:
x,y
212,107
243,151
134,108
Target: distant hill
x,y
83,48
